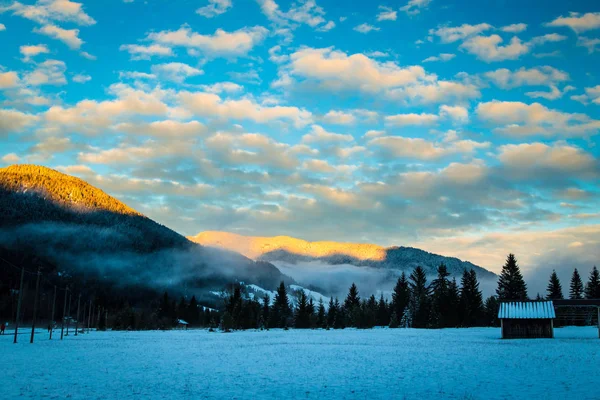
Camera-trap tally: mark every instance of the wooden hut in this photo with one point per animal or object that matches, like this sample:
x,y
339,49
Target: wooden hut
x,y
181,324
527,319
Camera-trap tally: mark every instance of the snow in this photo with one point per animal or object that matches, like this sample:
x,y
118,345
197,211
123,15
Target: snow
x,y
316,296
313,364
528,309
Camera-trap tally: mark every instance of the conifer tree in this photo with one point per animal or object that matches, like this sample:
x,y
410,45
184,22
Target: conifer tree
x,y
440,305
592,288
266,310
576,290
280,312
394,320
420,302
352,306
312,318
340,315
491,311
321,317
383,317
554,287
400,296
511,285
471,300
452,318
331,313
301,317
371,312
193,312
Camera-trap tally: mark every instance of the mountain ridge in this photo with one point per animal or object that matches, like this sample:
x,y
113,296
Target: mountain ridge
x,y
293,250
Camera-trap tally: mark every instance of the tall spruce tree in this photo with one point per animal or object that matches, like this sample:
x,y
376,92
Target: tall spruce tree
x,y
321,315
280,312
440,305
471,300
383,316
554,288
453,304
266,311
400,297
576,290
419,299
511,285
352,306
302,315
592,288
492,305
331,313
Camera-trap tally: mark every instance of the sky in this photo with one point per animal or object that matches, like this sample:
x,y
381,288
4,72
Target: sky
x,y
462,129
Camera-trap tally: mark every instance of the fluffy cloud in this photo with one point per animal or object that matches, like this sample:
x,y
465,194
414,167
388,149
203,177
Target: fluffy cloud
x,y
339,118
365,28
411,119
46,11
9,80
175,71
220,44
553,94
421,149
514,28
538,76
489,48
386,14
589,43
592,94
49,72
70,37
520,119
308,13
415,6
141,52
456,113
441,57
214,8
2,27
14,121
81,78
453,34
577,21
163,129
319,135
212,105
29,51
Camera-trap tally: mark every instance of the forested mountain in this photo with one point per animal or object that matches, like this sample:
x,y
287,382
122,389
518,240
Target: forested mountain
x,y
292,250
76,231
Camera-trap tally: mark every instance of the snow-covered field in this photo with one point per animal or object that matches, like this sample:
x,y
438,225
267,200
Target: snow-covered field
x,y
348,364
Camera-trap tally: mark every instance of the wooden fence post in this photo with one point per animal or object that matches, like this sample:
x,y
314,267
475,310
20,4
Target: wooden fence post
x,y
19,304
35,304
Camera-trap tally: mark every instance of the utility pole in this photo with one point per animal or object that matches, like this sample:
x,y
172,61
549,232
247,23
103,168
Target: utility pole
x,y
62,324
68,313
77,321
19,304
35,303
53,308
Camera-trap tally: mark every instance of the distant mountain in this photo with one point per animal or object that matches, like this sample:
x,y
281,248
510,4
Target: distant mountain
x,y
291,250
67,226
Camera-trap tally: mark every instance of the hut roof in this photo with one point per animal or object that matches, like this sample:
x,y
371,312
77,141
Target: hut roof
x,y
527,310
181,322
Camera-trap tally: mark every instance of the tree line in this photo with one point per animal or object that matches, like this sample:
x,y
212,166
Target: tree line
x,y
415,302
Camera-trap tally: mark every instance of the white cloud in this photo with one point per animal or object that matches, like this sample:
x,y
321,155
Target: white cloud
x,y
2,27
213,106
14,121
421,149
81,78
489,48
520,119
553,94
592,94
558,157
49,72
11,158
415,6
307,13
220,44
386,14
514,28
339,118
577,21
175,71
548,38
70,37
47,11
29,51
365,28
411,119
9,80
457,113
456,33
167,129
441,57
214,8
141,52
327,27
320,135
589,43
538,76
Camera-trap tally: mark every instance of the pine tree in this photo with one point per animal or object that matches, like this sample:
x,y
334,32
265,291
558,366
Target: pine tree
x,y
400,296
592,288
193,313
352,306
453,304
280,312
554,287
226,322
439,287
370,312
266,310
471,300
383,317
301,317
321,317
491,311
420,302
310,309
511,285
576,291
331,313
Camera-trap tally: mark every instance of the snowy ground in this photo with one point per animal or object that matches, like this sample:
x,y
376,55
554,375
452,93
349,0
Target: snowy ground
x,y
348,364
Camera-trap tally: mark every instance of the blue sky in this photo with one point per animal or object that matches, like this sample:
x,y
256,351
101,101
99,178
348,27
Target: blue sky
x,y
463,129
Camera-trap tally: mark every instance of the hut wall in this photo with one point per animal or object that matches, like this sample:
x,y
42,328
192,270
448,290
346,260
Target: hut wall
x,y
527,328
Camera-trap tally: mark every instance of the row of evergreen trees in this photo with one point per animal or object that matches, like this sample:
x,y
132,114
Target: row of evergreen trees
x,y
415,303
